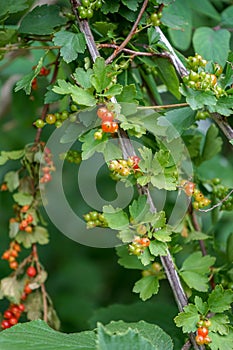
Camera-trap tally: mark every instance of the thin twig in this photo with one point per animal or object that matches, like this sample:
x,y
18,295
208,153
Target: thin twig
x,y
218,204
16,48
131,52
175,105
129,36
223,125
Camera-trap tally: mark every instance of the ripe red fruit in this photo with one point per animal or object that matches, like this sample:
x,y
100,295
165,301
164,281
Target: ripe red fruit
x,y
108,117
21,307
14,265
114,127
5,324
7,314
200,340
31,271
6,255
13,321
107,126
27,290
136,160
101,112
202,331
145,242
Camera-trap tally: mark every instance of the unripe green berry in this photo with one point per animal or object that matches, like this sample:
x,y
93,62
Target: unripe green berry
x,y
39,123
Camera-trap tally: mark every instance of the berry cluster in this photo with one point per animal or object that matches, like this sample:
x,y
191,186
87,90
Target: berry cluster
x,y
155,18
202,114
202,336
52,118
11,254
200,201
108,124
72,156
154,270
86,10
124,167
95,219
138,245
23,218
48,166
12,315
199,79
220,192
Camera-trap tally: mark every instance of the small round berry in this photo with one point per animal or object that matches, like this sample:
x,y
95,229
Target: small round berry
x,y
39,123
207,323
202,331
28,229
13,321
14,265
89,13
8,314
5,324
31,271
101,112
98,135
21,307
50,119
27,289
200,340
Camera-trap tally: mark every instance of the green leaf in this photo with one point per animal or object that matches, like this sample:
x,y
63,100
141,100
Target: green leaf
x,y
177,121
223,106
34,306
198,99
112,151
113,91
198,263
12,6
227,17
158,248
104,28
180,38
12,289
127,260
212,144
220,300
168,75
195,280
23,198
187,319
146,287
139,208
163,235
117,219
90,145
43,337
156,337
128,94
196,236
212,44
219,323
13,229
110,6
12,180
221,342
79,95
201,306
26,82
131,4
71,44
38,235
206,8
83,77
102,75
42,20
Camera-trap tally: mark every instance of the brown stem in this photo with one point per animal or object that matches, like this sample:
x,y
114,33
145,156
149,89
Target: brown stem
x,y
221,121
131,33
175,105
131,52
42,286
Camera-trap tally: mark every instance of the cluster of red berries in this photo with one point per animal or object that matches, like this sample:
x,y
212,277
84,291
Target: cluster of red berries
x,y
11,254
200,201
52,118
31,272
122,167
87,7
23,218
12,315
202,336
48,166
43,72
95,219
199,79
138,245
108,124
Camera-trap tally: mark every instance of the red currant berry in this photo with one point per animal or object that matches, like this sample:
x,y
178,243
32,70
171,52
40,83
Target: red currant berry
x,y
107,126
27,290
31,271
200,340
5,324
202,331
13,321
101,112
114,127
8,314
13,265
108,117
